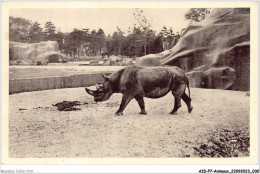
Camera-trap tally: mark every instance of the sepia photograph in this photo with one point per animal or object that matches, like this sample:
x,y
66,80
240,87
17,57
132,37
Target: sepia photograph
x,y
131,82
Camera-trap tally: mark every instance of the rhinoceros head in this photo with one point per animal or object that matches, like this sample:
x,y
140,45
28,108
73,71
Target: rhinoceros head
x,y
103,91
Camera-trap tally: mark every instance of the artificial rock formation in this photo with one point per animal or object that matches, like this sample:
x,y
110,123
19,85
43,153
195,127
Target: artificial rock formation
x,y
35,52
220,44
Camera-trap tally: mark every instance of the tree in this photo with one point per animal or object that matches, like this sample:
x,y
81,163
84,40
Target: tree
x,y
109,45
150,36
143,25
93,42
135,43
169,38
49,31
197,14
59,37
19,29
86,40
118,41
100,39
35,33
156,45
74,40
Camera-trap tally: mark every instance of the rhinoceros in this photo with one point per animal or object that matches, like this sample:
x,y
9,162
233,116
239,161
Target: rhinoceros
x,y
139,82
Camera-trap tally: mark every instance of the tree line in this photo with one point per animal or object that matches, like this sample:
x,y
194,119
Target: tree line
x,y
136,42
139,40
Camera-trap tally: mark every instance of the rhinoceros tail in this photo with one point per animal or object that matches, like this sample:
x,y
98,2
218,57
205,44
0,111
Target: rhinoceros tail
x,y
188,86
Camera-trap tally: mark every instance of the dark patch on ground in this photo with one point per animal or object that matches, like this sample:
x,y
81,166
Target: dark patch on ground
x,y
22,109
83,64
68,105
38,107
225,143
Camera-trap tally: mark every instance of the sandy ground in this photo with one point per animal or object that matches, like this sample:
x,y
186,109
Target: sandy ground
x,y
38,129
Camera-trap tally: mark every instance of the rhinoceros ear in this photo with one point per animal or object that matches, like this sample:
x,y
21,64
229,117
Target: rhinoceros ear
x,y
105,77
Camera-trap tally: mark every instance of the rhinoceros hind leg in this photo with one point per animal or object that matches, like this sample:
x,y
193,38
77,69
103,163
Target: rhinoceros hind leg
x,y
187,100
140,101
190,109
143,112
177,105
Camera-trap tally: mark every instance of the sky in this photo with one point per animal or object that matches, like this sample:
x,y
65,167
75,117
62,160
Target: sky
x,y
107,18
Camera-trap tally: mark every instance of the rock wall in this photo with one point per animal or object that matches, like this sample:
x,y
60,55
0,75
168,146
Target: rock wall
x,y
44,51
148,60
220,41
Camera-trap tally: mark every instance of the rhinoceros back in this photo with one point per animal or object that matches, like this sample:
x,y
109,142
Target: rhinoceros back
x,y
153,82
156,81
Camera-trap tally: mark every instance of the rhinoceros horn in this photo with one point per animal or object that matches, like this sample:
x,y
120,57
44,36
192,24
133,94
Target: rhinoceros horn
x,y
89,91
97,86
105,77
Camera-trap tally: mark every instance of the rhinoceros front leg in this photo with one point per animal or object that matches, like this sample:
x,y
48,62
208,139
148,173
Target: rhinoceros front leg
x,y
140,101
125,100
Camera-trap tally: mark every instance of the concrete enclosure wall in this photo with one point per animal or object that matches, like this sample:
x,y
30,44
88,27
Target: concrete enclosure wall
x,y
37,84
